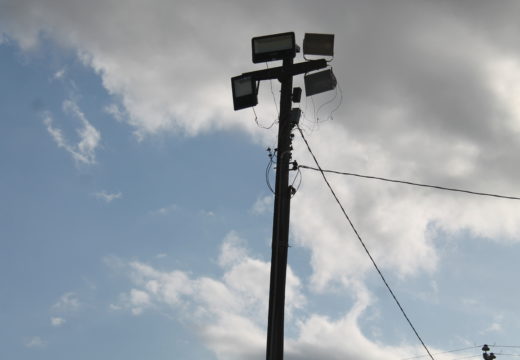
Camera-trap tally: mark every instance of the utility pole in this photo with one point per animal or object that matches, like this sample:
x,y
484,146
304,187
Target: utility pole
x,y
282,209
245,90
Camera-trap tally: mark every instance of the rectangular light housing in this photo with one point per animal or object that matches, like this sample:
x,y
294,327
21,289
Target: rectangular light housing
x,y
273,47
319,82
318,44
244,92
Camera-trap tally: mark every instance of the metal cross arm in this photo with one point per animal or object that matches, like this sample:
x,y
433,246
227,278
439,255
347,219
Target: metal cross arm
x,y
280,71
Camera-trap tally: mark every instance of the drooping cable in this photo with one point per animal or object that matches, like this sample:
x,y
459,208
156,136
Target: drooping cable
x,y
258,123
412,183
330,117
468,357
445,352
272,161
272,92
363,244
298,178
465,349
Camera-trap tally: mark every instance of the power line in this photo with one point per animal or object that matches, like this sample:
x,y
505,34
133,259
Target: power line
x,y
445,352
468,348
362,243
468,357
272,92
412,183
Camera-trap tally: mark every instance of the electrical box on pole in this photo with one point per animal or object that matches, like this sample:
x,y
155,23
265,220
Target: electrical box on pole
x,y
282,47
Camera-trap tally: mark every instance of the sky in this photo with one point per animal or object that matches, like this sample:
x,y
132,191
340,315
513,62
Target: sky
x,y
135,210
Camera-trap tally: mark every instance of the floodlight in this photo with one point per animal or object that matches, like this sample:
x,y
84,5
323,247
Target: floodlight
x,y
319,82
244,92
273,47
318,44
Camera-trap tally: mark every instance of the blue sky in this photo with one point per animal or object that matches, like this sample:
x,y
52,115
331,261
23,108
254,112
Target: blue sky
x,y
135,218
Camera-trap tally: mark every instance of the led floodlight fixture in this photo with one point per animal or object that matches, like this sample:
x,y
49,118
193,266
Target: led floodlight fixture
x,y
244,92
273,47
318,44
319,82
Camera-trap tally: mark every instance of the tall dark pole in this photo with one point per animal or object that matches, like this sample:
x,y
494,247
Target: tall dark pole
x,y
280,244
244,88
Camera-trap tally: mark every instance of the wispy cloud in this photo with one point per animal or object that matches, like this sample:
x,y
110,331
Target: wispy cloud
x,y
229,312
108,197
115,111
35,342
84,151
165,210
136,301
263,205
67,302
57,321
58,75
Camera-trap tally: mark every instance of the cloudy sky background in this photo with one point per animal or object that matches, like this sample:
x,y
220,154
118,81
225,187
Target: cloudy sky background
x,y
136,221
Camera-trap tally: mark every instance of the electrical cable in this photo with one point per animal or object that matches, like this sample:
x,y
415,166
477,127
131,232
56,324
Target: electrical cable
x,y
330,117
258,123
272,91
467,348
363,244
413,183
272,154
445,352
468,357
298,177
340,101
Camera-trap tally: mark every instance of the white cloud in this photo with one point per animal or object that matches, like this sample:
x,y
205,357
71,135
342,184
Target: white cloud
x,y
166,210
68,302
207,213
494,327
57,321
84,151
108,197
229,313
115,111
58,75
232,250
35,342
263,204
420,101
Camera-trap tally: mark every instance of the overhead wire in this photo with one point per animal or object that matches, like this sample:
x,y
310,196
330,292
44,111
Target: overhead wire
x,y
258,123
468,357
363,244
444,352
298,177
330,117
272,92
413,183
272,155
